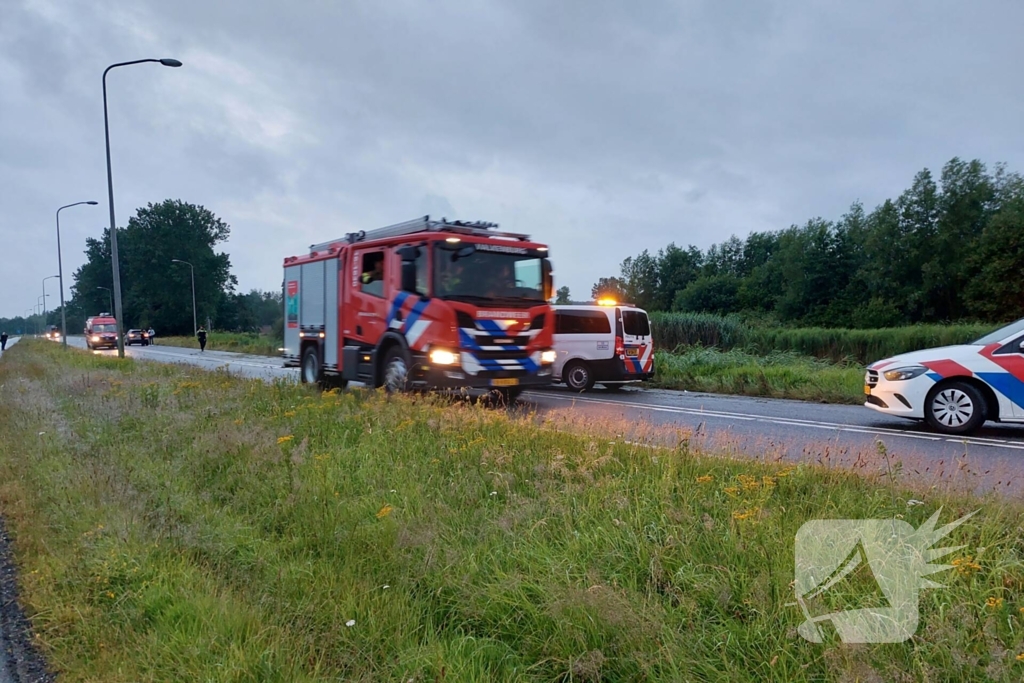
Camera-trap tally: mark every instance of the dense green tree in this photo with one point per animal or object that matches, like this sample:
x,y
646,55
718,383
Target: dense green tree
x,y
562,296
938,252
155,290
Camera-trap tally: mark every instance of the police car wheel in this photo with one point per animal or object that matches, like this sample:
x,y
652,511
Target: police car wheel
x,y
577,376
396,371
310,366
955,408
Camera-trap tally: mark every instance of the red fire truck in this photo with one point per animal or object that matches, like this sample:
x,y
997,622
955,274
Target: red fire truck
x,y
426,304
101,331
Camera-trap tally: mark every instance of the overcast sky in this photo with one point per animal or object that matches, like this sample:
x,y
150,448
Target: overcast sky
x,y
601,128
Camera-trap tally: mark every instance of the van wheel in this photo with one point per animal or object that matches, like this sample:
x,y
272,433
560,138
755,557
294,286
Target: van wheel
x,y
396,370
311,372
955,408
577,376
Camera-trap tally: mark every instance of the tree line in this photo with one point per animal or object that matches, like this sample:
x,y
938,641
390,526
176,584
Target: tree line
x,y
154,251
942,251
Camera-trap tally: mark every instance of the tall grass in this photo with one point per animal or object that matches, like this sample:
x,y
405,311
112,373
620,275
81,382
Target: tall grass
x,y
672,330
177,525
777,374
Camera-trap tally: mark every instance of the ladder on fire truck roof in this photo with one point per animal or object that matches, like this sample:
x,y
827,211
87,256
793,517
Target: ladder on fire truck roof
x,y
424,224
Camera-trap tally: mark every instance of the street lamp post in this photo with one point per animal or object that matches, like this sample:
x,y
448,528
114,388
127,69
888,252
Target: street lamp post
x,y
110,197
60,271
109,298
48,277
195,327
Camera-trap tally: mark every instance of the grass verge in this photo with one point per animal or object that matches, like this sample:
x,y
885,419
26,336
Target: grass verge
x,y
257,345
172,524
779,374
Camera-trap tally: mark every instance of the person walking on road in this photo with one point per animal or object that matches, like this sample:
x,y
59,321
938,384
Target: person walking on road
x,y
201,336
3,341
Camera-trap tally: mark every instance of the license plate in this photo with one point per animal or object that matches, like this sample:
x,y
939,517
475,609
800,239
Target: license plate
x,y
505,382
867,390
632,352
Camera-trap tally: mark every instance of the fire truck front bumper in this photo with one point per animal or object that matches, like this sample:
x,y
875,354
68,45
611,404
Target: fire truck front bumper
x,y
434,376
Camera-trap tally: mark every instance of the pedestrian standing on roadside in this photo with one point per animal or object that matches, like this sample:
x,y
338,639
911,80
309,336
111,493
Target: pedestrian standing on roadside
x,y
201,336
3,341
152,336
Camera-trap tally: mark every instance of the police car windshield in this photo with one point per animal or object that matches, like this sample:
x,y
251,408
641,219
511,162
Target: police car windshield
x,y
1001,334
476,273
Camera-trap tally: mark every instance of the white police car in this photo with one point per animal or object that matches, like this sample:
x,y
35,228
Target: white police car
x,y
954,388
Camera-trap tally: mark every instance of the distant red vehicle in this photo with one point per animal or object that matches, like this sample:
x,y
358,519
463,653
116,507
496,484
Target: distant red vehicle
x,y
101,332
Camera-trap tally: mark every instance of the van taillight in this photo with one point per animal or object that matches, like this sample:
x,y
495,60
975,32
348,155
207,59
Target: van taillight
x,y
620,348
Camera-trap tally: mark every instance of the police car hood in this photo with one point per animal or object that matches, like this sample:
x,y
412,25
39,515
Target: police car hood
x,y
926,356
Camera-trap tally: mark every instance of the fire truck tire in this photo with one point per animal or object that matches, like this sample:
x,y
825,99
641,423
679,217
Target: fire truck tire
x,y
506,397
311,372
395,371
578,376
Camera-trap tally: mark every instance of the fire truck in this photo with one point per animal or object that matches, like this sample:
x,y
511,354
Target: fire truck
x,y
425,304
101,331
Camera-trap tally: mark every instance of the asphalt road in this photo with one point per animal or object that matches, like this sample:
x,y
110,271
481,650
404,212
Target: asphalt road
x,y
850,436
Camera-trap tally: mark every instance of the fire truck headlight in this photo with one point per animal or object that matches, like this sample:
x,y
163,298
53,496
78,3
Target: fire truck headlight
x,y
95,337
443,357
548,356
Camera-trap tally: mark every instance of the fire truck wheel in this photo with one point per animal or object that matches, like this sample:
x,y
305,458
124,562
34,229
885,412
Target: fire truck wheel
x,y
396,370
311,373
577,376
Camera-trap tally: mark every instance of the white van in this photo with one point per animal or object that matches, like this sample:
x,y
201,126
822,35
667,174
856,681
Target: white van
x,y
606,343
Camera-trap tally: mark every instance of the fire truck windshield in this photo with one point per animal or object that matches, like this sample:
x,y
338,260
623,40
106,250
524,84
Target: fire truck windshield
x,y
106,327
475,273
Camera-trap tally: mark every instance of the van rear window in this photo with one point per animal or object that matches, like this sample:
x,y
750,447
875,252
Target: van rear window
x,y
635,323
582,322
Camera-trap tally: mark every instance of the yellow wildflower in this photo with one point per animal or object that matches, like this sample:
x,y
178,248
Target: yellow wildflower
x,y
748,483
384,511
290,413
705,479
966,565
283,439
1020,657
994,602
732,490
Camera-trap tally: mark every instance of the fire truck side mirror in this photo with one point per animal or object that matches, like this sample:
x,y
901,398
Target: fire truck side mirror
x,y
548,279
409,276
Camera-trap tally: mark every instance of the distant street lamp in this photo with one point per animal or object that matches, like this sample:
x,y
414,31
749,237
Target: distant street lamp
x,y
110,305
48,277
110,198
195,327
60,271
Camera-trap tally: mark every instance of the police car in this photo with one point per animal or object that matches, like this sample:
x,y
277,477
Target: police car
x,y
607,343
954,388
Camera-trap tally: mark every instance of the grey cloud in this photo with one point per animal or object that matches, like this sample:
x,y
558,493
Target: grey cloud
x,y
601,127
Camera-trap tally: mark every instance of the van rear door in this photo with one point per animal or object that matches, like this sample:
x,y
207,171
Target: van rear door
x,y
637,340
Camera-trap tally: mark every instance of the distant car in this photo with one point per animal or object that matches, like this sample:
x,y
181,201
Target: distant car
x,y
954,388
53,332
140,337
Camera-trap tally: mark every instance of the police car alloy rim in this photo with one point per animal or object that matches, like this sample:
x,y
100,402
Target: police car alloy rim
x,y
952,407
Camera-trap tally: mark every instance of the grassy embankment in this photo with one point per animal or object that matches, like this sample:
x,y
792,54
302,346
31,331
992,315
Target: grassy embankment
x,y
719,354
173,525
237,342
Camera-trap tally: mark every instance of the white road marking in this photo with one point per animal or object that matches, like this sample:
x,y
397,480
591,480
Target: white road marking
x,y
787,421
